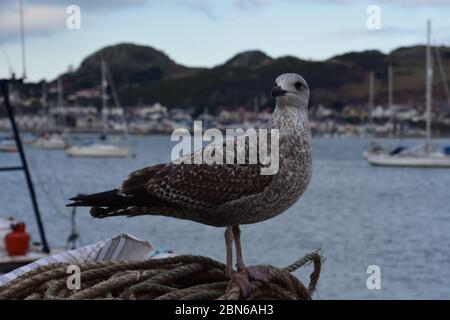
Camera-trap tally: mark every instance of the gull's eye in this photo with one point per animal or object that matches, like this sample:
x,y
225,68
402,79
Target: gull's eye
x,y
298,85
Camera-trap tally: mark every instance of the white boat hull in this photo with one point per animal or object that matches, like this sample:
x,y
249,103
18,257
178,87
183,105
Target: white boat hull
x,y
409,161
7,148
365,155
98,151
51,144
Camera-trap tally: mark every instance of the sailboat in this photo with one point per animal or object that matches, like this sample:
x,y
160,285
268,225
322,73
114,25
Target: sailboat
x,y
424,155
51,140
101,150
36,250
7,145
373,147
7,225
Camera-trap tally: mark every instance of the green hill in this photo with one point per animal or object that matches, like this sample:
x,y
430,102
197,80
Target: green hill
x,y
145,74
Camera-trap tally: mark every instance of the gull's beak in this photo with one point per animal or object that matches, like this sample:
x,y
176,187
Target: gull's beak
x,y
277,91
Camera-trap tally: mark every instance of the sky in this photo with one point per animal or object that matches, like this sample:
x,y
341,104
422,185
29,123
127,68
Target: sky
x,y
209,32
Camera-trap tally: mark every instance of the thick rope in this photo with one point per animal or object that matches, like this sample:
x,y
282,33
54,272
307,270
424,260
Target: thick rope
x,y
177,278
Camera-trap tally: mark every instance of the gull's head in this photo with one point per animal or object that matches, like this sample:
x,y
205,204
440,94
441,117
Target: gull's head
x,y
291,90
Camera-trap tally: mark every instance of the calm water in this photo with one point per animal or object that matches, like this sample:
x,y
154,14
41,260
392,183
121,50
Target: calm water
x,y
398,219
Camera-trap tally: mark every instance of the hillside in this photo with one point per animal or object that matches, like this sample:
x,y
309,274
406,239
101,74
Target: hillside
x,y
142,73
130,65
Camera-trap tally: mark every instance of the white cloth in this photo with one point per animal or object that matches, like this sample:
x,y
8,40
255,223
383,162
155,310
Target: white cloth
x,y
120,247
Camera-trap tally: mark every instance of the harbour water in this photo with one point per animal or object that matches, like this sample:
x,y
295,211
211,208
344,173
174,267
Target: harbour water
x,y
396,218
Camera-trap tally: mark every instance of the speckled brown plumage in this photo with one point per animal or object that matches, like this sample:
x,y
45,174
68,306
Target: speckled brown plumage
x,y
222,194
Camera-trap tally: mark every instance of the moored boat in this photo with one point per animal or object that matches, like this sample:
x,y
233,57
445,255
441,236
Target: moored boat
x,y
417,156
101,149
52,141
98,150
7,145
423,155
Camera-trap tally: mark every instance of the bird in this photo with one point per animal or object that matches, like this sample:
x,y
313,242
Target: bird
x,y
223,195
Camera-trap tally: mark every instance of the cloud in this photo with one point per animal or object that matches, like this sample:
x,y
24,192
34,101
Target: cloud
x,y
427,2
249,5
252,4
89,4
44,17
204,6
39,20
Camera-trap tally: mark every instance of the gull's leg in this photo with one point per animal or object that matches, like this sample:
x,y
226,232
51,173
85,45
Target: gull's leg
x,y
246,274
229,250
237,241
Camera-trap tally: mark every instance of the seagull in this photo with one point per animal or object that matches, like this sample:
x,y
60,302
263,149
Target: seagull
x,y
223,195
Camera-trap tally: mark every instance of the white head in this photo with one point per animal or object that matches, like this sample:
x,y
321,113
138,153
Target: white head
x,y
291,90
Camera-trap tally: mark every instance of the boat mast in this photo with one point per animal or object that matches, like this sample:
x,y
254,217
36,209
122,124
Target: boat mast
x,y
62,123
391,86
429,79
371,106
60,92
22,41
390,95
4,90
104,97
4,84
115,96
45,106
44,95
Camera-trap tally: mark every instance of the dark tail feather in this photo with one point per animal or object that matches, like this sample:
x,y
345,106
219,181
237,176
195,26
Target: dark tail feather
x,y
98,212
107,204
109,198
111,203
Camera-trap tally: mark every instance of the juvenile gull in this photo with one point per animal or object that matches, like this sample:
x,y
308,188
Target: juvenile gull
x,y
223,195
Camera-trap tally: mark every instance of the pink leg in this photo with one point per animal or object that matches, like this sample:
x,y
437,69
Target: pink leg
x,y
237,241
229,250
246,274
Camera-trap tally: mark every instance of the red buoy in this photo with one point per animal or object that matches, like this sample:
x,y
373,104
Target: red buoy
x,y
17,241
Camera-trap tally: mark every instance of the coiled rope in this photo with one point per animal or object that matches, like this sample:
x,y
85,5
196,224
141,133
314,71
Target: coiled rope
x,y
184,277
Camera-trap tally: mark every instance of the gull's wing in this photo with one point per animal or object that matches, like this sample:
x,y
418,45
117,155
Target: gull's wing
x,y
190,187
196,185
199,185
